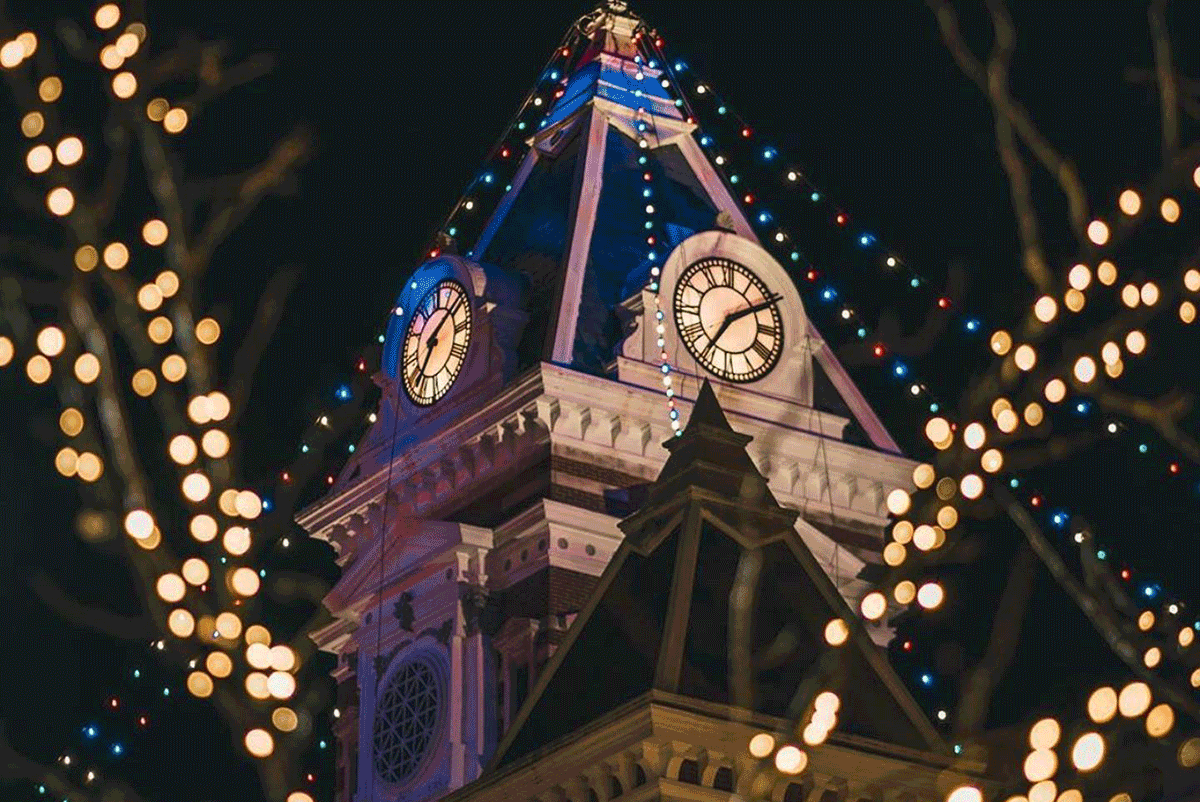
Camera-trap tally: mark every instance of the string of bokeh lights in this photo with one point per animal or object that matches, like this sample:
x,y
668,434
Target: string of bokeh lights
x,y
205,411
1134,699
1045,308
1130,203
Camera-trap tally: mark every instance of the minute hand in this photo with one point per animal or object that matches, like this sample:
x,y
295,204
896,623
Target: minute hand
x,y
431,341
741,313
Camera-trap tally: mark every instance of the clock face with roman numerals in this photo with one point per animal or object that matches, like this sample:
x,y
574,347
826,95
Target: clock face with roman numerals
x,y
435,344
728,319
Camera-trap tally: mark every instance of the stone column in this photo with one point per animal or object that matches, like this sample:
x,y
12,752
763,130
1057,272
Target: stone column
x,y
367,681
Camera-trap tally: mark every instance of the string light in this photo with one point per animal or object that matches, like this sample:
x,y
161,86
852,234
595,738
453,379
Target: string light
x,y
60,201
69,150
1079,278
39,158
175,120
107,16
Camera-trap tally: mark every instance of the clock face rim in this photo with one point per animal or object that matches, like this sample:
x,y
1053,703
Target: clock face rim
x,y
413,395
684,281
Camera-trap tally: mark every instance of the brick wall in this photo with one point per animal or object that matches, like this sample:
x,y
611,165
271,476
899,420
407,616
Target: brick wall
x,y
551,591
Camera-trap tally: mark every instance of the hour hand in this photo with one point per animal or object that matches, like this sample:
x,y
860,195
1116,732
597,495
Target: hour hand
x,y
741,313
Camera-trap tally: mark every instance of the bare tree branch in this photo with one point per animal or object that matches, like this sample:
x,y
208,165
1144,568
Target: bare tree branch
x,y
1166,79
1033,258
114,625
891,330
116,171
15,766
266,318
217,80
975,698
274,173
1163,414
1087,603
1188,89
1059,167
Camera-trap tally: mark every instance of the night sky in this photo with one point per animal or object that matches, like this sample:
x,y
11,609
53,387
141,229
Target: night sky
x,y
405,100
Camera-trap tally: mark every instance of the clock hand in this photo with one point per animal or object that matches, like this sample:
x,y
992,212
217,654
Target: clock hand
x,y
738,315
432,341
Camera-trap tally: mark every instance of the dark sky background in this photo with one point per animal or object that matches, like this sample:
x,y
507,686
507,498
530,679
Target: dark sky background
x,y
404,101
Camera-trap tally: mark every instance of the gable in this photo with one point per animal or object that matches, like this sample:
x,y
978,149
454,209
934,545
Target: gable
x,y
609,661
723,603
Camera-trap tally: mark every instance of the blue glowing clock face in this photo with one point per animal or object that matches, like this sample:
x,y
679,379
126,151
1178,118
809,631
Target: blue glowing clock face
x,y
728,319
435,345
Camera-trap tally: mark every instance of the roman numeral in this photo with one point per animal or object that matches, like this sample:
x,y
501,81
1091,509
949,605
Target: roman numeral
x,y
760,349
688,309
710,274
425,380
693,331
458,349
768,329
727,273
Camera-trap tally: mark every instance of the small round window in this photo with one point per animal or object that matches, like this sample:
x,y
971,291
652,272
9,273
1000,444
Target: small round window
x,y
406,721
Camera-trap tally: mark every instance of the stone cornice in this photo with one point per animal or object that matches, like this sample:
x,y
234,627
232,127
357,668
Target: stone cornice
x,y
659,731
555,407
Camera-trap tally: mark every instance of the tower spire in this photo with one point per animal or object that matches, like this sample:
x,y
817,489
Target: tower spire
x,y
610,28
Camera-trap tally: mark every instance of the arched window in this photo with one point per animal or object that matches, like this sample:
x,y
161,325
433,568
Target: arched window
x,y
689,772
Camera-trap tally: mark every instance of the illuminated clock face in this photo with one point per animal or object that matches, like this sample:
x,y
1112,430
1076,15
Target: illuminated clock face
x,y
728,319
435,344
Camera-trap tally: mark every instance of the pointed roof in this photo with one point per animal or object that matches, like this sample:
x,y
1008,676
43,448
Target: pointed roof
x,y
711,567
709,463
572,220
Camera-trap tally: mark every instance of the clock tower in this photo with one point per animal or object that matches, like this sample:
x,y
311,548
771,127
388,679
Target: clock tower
x,y
529,378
